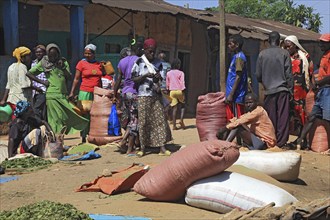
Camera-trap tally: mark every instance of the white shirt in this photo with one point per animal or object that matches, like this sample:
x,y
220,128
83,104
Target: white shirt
x,y
17,83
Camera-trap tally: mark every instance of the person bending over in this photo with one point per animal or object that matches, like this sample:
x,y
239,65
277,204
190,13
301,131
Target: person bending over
x,y
28,129
254,127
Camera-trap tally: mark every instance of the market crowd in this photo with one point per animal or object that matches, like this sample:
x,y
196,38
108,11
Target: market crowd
x,y
151,92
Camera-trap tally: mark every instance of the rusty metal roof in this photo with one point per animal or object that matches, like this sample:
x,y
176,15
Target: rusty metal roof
x,y
247,27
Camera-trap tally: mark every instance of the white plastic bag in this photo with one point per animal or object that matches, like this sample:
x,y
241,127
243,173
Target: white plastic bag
x,y
226,191
283,166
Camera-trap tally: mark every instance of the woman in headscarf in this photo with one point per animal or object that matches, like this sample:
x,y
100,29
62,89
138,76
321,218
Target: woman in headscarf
x,y
302,69
89,71
60,112
154,130
27,129
18,86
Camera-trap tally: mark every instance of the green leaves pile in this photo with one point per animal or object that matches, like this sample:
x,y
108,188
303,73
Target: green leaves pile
x,y
27,162
45,210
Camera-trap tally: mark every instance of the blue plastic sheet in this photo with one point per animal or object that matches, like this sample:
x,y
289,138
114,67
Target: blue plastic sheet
x,y
4,179
116,217
77,157
113,122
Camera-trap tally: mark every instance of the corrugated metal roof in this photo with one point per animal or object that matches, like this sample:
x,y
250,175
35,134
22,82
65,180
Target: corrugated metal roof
x,y
250,28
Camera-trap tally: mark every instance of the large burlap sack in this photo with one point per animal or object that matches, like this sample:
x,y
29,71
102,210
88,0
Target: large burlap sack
x,y
100,111
169,180
260,176
210,115
319,135
283,166
227,191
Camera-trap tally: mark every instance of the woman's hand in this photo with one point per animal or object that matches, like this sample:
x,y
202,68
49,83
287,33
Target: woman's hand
x,y
71,96
52,136
150,75
2,103
229,99
46,83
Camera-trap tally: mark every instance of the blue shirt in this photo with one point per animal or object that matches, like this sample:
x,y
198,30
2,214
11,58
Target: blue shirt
x,y
238,63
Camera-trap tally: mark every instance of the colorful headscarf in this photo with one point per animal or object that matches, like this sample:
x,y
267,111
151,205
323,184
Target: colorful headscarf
x,y
90,47
19,52
21,108
150,42
45,63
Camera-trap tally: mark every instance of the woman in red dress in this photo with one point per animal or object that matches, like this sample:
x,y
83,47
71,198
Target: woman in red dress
x,y
302,69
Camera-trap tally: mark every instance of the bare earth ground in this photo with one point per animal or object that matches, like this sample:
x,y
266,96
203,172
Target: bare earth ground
x,y
58,183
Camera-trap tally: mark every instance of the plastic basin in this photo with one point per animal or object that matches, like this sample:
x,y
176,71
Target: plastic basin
x,y
5,113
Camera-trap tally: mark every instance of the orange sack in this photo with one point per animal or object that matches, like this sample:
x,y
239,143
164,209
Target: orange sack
x,y
210,115
319,135
100,111
169,180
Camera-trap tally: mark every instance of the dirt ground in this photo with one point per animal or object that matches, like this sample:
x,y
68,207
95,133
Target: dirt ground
x,y
58,183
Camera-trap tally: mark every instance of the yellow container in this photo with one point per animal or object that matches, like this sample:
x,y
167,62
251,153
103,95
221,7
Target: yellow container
x,y
108,68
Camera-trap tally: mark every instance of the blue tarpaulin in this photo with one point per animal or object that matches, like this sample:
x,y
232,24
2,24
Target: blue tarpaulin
x,y
116,217
4,179
74,157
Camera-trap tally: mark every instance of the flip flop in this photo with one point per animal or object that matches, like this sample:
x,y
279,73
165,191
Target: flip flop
x,y
131,154
140,154
166,153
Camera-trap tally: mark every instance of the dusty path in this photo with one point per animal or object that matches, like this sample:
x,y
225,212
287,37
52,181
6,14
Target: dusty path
x,y
58,183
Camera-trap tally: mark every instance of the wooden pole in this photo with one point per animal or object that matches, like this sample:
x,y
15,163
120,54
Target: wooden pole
x,y
222,46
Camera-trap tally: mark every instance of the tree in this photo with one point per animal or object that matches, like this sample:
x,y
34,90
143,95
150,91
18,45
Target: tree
x,y
278,10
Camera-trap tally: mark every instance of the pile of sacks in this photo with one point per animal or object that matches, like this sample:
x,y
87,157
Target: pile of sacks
x,y
197,173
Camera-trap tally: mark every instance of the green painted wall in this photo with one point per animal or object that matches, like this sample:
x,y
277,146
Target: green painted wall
x,y
114,43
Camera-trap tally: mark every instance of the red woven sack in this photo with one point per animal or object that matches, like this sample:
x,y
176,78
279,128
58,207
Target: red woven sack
x,y
169,180
100,111
210,115
319,136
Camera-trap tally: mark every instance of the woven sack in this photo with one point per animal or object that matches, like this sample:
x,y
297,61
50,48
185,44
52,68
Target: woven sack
x,y
319,135
169,180
210,115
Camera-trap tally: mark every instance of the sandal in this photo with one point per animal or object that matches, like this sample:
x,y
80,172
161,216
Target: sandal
x,y
140,154
131,154
166,153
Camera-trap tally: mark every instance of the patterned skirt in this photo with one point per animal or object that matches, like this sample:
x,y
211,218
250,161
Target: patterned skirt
x,y
154,130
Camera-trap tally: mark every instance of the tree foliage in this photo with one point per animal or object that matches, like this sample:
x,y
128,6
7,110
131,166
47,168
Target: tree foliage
x,y
278,10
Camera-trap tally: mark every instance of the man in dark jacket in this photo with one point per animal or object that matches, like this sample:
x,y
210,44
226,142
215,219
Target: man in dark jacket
x,y
274,72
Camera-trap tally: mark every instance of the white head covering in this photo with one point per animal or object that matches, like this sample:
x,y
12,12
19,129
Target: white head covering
x,y
90,47
302,54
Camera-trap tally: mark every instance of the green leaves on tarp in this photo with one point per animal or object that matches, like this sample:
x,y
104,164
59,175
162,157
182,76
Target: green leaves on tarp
x,y
45,210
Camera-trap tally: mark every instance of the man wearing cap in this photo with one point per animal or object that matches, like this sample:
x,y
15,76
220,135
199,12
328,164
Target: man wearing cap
x,y
321,108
